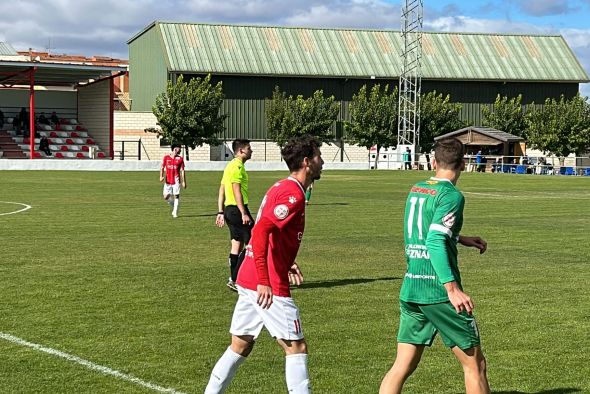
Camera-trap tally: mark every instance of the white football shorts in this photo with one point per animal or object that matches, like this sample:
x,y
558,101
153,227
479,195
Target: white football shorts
x,y
281,320
172,189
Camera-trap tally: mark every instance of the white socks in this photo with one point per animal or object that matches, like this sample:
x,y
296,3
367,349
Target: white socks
x,y
296,374
224,371
176,204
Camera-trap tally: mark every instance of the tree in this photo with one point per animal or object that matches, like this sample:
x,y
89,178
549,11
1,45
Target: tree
x,y
561,127
438,116
373,118
506,115
189,113
288,117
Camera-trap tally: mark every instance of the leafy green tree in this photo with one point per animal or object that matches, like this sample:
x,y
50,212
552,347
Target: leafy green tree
x,y
438,116
189,113
561,127
506,115
288,117
373,118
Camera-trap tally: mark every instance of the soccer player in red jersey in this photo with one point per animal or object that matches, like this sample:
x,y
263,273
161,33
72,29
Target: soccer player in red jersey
x,y
172,175
267,270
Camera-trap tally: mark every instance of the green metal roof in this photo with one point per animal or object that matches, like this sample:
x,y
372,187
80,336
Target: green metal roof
x,y
260,50
6,49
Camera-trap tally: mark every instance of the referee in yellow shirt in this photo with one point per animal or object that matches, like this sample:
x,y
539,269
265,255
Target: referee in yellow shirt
x,y
232,205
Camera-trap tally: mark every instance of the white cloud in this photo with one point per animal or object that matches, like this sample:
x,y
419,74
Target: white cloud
x,y
359,14
479,25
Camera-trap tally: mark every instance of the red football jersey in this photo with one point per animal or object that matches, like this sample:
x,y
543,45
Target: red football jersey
x,y
276,237
173,165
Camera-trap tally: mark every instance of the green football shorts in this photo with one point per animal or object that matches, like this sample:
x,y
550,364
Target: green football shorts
x,y
419,324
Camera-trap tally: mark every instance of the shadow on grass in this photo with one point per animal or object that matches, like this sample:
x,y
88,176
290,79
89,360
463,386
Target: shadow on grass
x,y
343,282
566,390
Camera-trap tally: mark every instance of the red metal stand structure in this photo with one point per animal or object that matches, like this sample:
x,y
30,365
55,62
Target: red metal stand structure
x,y
32,112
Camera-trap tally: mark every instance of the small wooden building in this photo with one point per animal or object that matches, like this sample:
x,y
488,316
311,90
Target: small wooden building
x,y
491,142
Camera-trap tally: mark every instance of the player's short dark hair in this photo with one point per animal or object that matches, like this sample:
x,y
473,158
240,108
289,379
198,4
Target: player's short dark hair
x,y
174,146
449,153
298,148
239,144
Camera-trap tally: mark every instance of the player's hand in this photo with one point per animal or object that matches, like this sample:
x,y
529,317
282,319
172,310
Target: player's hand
x,y
220,220
264,296
161,179
295,275
474,242
246,219
460,301
184,185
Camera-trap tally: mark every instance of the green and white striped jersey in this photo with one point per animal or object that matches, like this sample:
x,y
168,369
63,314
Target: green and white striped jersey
x,y
433,220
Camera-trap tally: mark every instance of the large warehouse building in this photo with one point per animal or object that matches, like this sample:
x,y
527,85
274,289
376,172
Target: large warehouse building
x,y
252,60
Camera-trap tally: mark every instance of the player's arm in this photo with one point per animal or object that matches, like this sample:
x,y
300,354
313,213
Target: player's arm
x,y
183,177
162,171
219,220
260,241
474,242
236,188
439,235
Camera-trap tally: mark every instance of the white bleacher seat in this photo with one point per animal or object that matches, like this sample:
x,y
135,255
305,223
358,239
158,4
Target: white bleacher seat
x,y
73,121
67,127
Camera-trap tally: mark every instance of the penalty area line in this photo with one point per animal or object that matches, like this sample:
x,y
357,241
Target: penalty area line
x,y
26,207
88,364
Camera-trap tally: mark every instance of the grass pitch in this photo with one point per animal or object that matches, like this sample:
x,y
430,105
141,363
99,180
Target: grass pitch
x,y
99,269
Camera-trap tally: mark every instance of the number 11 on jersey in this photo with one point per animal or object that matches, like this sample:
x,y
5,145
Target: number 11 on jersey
x,y
412,213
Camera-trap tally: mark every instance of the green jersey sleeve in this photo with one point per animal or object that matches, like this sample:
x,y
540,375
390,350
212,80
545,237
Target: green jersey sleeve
x,y
444,229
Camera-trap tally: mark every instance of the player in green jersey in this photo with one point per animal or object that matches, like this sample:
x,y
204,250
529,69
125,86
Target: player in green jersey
x,y
432,298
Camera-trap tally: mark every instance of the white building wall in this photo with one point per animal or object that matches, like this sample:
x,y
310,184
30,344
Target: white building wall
x,y
130,126
94,103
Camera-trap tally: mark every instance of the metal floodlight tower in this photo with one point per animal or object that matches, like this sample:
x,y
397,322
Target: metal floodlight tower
x,y
408,127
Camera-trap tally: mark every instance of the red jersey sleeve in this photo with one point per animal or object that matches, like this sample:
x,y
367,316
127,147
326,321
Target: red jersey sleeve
x,y
286,207
260,234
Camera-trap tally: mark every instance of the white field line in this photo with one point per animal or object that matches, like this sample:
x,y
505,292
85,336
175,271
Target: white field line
x,y
26,207
88,364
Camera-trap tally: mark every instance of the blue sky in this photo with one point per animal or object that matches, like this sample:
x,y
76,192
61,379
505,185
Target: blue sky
x,y
102,27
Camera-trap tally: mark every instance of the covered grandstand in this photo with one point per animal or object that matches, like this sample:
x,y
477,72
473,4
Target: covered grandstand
x,y
80,93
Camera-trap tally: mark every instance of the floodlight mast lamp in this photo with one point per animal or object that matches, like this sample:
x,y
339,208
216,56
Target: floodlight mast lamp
x,y
410,81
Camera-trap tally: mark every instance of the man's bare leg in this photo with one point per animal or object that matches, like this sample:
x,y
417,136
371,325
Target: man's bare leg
x,y
406,360
474,368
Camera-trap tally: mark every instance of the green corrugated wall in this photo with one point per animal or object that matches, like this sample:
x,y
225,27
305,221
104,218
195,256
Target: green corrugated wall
x,y
148,72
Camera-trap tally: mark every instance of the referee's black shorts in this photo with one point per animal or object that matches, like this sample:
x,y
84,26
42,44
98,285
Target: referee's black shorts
x,y
237,229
